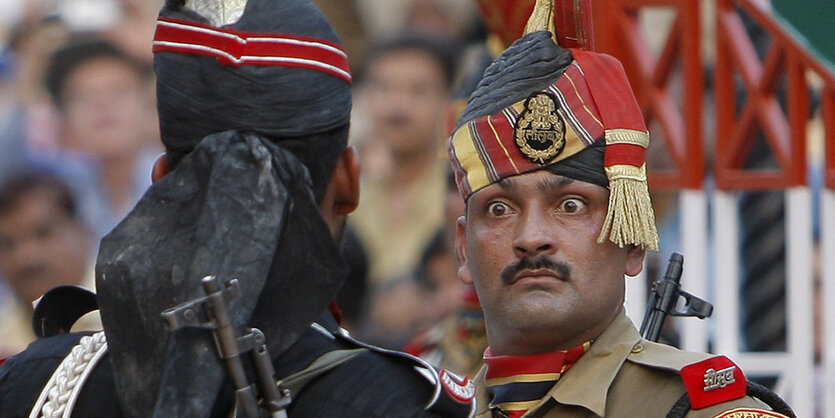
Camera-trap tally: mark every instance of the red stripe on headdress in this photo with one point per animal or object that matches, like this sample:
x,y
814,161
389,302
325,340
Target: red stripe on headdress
x,y
629,154
612,93
580,102
495,145
235,48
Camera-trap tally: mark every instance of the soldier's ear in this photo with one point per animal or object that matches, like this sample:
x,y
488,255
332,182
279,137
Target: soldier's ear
x,y
347,182
635,259
464,274
160,168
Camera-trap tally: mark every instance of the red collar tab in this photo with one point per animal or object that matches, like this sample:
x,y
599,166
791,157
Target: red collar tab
x,y
713,381
503,367
235,48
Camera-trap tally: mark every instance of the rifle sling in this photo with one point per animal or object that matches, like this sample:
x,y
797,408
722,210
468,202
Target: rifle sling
x,y
324,363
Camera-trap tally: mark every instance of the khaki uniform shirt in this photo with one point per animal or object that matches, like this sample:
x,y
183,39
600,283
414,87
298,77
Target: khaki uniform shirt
x,y
622,375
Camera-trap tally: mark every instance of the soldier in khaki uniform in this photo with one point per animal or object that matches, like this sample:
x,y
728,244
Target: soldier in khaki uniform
x,y
549,156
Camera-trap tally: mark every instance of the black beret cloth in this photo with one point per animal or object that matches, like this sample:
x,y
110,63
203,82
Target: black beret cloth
x,y
237,207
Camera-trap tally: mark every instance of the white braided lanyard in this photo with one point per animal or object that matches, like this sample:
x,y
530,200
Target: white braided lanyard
x,y
58,397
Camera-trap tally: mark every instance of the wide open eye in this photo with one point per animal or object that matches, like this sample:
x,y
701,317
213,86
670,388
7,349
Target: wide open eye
x,y
572,205
498,209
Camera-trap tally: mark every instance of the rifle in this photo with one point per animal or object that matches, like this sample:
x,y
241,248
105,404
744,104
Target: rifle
x,y
211,312
664,296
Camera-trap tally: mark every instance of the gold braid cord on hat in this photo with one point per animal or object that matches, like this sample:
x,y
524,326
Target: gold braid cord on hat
x,y
630,218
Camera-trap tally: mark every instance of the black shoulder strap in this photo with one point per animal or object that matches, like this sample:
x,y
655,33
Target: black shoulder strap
x,y
445,401
324,363
756,390
770,398
680,408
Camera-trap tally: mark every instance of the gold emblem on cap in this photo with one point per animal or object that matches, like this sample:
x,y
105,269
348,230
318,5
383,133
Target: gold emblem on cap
x,y
540,132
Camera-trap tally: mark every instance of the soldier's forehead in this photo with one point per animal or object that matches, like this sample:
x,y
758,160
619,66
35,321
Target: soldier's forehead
x,y
545,181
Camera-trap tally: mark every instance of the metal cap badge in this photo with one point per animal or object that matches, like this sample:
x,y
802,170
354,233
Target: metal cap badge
x,y
540,131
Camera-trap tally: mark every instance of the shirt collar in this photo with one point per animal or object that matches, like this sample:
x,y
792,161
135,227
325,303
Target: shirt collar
x,y
601,364
590,378
519,382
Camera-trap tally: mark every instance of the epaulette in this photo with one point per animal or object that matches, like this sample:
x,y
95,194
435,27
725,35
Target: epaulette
x,y
453,395
708,379
713,381
662,356
719,379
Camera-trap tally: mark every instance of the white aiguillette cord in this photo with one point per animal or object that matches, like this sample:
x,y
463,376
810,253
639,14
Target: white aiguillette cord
x,y
58,397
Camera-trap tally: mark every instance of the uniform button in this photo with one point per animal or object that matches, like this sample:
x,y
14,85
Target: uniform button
x,y
637,348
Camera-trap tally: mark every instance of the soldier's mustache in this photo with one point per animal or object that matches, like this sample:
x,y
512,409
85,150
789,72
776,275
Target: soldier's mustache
x,y
562,270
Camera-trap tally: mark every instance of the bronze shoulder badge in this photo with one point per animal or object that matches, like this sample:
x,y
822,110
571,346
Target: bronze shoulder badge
x,y
540,132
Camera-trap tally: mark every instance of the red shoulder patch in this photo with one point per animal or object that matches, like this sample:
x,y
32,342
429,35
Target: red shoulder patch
x,y
713,381
3,360
459,388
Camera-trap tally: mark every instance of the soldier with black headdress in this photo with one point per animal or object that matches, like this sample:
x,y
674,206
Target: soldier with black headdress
x,y
549,156
214,290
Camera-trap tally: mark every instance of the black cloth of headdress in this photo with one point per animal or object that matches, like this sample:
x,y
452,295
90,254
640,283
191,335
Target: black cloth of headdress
x,y
198,96
529,66
238,206
586,165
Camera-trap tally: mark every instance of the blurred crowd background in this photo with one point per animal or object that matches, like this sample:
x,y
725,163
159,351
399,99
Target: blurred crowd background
x,y
78,137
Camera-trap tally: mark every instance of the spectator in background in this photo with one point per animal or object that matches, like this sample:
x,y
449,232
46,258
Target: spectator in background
x,y
29,121
451,20
103,97
43,244
456,339
407,89
430,311
135,29
401,207
345,18
438,267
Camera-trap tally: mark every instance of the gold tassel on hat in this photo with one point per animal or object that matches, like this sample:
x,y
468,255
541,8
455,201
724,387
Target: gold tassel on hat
x,y
630,218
